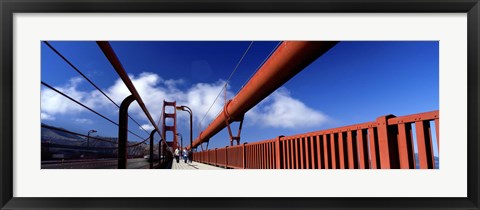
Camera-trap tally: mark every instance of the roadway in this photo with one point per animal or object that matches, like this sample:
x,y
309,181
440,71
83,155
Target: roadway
x,y
137,163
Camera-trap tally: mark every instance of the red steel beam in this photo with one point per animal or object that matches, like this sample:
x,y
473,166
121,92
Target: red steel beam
x,y
341,154
117,65
289,59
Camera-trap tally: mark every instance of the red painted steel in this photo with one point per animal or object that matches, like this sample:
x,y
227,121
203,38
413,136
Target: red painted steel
x,y
312,152
373,150
264,147
383,142
297,153
289,59
225,153
319,152
333,153
288,154
301,148
256,155
117,65
243,156
247,155
272,156
325,151
414,118
262,155
341,155
361,155
292,153
273,160
259,156
284,152
318,149
265,156
437,125
403,146
277,154
351,164
171,128
268,157
305,153
252,156
424,142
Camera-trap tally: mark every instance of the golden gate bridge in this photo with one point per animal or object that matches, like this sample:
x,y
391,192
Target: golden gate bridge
x,y
386,142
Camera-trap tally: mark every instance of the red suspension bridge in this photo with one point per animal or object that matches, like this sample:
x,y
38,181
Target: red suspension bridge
x,y
386,142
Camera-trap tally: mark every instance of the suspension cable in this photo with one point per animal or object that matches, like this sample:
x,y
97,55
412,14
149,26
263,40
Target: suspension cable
x,y
225,86
86,78
86,107
261,64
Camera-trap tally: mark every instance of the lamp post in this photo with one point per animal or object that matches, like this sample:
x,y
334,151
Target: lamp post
x,y
181,140
187,109
88,137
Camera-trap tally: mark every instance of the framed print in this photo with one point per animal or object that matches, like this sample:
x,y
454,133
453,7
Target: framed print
x,y
269,104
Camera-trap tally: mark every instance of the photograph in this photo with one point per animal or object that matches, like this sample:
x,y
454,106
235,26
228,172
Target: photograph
x,y
216,105
239,105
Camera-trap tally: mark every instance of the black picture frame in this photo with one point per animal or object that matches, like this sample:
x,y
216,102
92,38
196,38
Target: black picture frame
x,y
10,7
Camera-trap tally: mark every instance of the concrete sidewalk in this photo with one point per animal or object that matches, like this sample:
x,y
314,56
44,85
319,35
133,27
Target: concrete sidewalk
x,y
194,165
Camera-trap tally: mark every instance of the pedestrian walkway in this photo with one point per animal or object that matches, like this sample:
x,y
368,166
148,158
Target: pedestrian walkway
x,y
194,165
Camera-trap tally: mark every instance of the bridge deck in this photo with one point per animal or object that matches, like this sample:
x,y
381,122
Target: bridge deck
x,y
194,165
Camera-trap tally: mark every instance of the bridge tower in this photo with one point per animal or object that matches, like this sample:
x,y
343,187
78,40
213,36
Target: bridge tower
x,y
169,123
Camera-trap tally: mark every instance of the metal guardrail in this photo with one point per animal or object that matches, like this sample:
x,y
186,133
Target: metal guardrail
x,y
386,143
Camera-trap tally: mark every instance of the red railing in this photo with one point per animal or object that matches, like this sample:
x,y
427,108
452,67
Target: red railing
x,y
387,143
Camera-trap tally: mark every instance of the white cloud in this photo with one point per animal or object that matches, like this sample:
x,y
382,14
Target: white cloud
x,y
45,116
83,121
147,127
152,88
53,103
200,98
280,110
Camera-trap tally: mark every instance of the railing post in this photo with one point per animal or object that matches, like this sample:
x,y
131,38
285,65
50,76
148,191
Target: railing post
x,y
277,152
244,158
151,149
226,157
123,132
383,141
215,155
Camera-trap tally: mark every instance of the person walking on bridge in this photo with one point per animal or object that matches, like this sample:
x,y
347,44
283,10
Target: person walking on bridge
x,y
190,155
177,155
185,155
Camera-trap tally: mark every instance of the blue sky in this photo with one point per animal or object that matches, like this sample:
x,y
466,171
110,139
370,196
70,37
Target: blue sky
x,y
354,82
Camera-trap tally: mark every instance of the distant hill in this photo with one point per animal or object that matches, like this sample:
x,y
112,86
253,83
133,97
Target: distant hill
x,y
59,137
64,144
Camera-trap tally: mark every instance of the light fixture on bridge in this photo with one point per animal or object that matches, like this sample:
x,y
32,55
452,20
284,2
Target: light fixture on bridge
x,y
88,137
